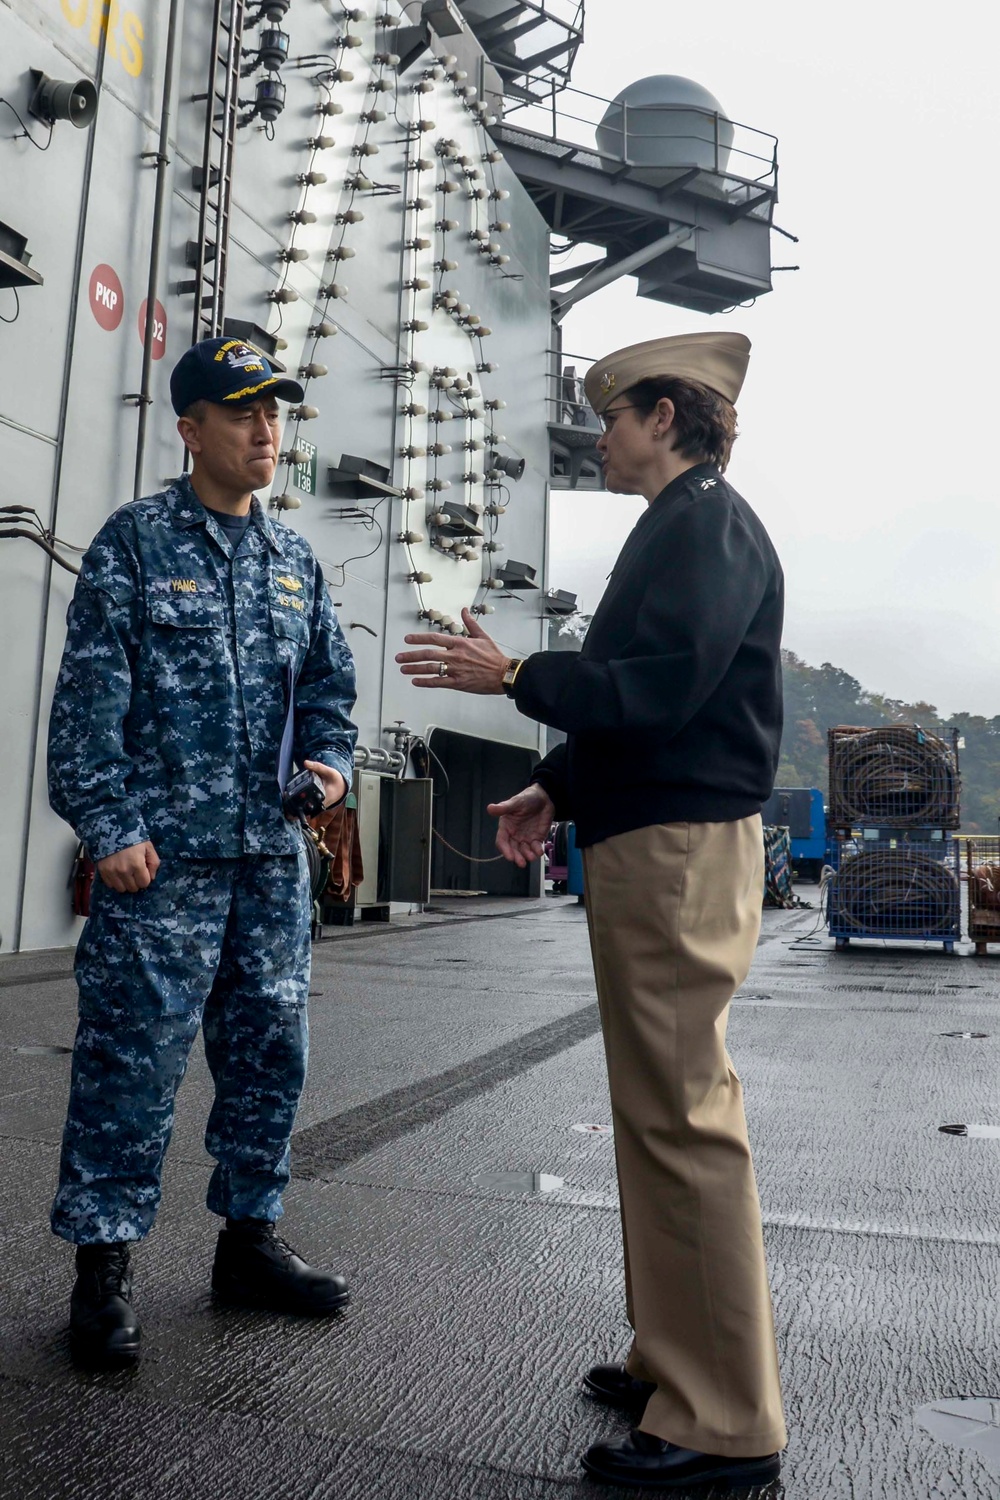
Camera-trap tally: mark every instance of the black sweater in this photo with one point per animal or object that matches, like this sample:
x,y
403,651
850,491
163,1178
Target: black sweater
x,y
673,708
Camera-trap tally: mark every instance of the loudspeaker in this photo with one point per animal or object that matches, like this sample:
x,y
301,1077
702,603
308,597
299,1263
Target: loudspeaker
x,y
54,99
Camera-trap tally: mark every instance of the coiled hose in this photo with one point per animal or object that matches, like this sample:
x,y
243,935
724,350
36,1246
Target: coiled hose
x,y
899,777
894,893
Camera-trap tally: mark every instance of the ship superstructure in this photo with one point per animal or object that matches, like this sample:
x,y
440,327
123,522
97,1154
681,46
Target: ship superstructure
x,y
367,195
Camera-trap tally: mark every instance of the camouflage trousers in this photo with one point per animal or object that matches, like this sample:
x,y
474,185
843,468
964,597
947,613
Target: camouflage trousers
x,y
224,944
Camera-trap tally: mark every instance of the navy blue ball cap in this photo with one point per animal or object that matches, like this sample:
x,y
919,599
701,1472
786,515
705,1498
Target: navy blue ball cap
x,y
229,372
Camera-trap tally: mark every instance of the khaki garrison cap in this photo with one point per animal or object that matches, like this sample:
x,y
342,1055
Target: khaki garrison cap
x,y
718,360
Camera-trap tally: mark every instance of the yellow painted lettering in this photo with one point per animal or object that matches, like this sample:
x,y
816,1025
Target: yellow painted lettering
x,y
131,48
75,14
104,16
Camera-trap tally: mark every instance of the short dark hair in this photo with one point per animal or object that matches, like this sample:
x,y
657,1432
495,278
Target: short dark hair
x,y
704,424
197,411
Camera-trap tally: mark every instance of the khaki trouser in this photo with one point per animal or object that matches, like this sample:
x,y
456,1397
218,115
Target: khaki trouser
x,y
674,915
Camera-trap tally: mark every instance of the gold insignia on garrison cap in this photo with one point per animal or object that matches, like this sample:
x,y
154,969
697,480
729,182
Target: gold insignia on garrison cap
x,y
718,360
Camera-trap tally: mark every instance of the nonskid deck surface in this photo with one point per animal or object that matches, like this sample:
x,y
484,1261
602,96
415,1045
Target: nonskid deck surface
x,y
453,1064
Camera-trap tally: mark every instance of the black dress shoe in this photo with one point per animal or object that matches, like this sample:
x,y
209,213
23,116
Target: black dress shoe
x,y
652,1464
103,1328
613,1385
254,1267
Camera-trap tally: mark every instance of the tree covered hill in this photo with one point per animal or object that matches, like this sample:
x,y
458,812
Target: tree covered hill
x,y
816,698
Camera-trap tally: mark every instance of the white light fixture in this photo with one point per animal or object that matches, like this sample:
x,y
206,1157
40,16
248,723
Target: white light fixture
x,y
286,502
313,371
411,538
323,330
302,216
350,216
341,252
320,142
293,253
333,290
283,294
303,413
311,179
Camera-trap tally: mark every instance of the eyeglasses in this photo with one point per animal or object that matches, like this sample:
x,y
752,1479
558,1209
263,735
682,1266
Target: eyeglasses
x,y
613,412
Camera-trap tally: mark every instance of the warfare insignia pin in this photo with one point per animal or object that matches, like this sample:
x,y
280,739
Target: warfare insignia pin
x,y
608,382
292,584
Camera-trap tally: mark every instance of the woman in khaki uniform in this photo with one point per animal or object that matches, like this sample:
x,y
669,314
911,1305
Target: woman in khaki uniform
x,y
672,713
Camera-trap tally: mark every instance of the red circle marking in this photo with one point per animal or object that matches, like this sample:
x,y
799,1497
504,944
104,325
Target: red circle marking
x,y
159,328
107,299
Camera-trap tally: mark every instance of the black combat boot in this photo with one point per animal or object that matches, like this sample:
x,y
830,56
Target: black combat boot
x,y
103,1329
254,1267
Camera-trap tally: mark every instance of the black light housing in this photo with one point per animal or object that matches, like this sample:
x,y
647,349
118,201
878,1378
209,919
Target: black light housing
x,y
269,99
273,51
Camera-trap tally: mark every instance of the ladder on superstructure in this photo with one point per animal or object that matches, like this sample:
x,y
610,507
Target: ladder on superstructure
x,y
208,255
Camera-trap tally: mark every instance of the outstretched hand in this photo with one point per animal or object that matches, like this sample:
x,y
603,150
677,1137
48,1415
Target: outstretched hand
x,y
469,664
525,820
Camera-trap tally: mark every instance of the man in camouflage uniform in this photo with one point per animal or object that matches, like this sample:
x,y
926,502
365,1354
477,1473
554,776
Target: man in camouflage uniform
x,y
202,654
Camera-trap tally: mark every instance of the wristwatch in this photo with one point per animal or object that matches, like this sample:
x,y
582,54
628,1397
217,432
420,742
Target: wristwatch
x,y
510,675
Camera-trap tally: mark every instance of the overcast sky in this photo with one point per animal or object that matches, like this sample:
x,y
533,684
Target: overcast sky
x,y
871,405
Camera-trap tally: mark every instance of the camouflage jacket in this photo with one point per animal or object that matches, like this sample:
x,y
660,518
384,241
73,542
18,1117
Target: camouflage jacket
x,y
171,698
